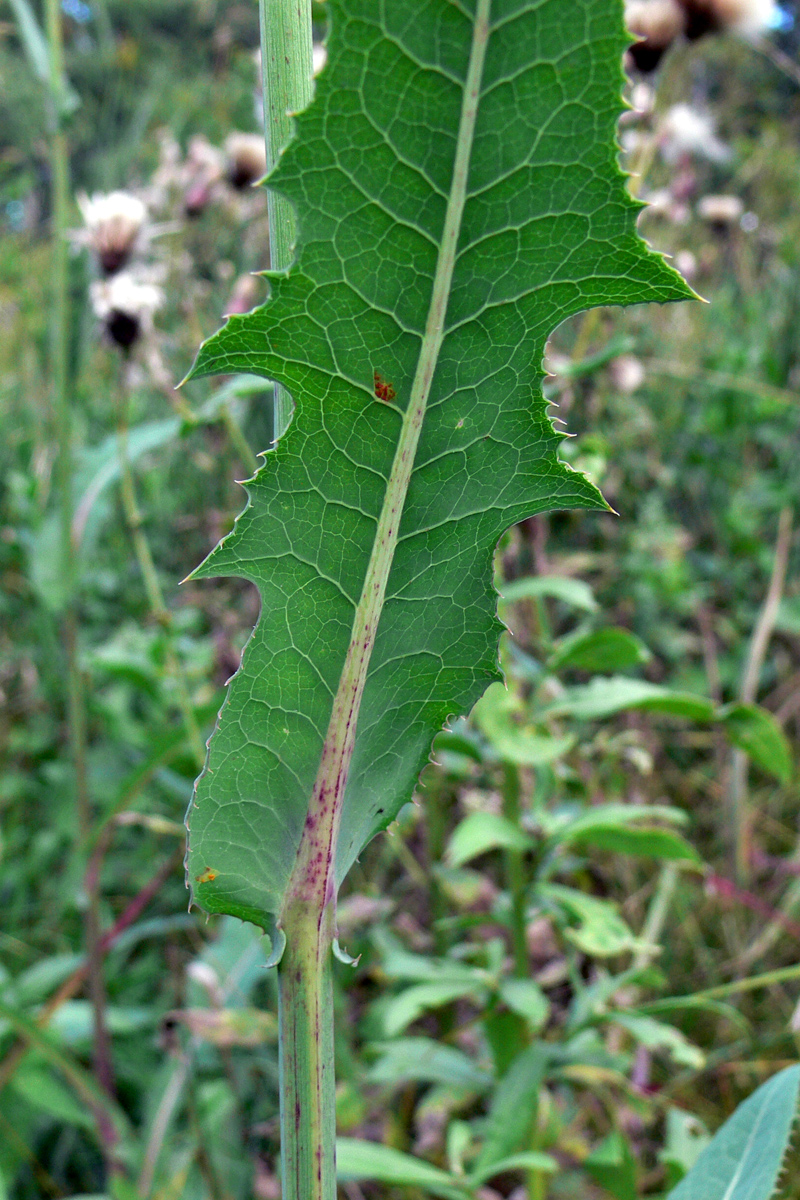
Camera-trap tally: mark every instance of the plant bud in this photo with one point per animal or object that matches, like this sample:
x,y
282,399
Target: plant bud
x,y
246,159
114,223
656,24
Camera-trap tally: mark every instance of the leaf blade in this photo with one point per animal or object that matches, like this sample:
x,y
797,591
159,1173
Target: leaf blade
x,y
350,320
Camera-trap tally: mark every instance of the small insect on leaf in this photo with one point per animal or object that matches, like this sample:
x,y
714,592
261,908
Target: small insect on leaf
x,y
383,390
208,876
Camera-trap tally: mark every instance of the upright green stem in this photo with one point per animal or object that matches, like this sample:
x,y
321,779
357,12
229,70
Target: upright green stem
x,y
307,1084
515,874
286,63
62,414
152,585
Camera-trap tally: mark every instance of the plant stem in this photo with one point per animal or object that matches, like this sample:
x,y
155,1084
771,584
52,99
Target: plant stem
x,y
62,412
152,586
515,874
748,691
286,65
307,1085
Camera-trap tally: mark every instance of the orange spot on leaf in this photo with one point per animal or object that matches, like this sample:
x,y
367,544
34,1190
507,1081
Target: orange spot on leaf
x,y
383,390
208,876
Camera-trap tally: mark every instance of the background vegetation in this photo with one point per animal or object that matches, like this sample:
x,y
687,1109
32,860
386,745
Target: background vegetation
x,y
507,904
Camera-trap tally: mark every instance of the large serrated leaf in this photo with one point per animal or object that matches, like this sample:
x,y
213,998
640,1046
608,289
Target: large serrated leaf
x,y
458,196
743,1160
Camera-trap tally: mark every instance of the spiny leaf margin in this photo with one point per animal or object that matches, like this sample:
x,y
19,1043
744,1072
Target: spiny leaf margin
x,y
354,304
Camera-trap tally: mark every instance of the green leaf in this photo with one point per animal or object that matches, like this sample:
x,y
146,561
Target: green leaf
x,y
401,1010
601,931
525,997
613,1166
494,713
743,1160
616,827
457,194
602,650
481,832
604,697
570,591
686,1137
47,1094
426,1061
756,731
646,842
656,1035
513,1107
357,1160
530,1160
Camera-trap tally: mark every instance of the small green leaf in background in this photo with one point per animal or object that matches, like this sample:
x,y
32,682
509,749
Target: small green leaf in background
x,y
530,1160
646,842
574,592
686,1137
605,696
756,731
494,715
481,832
360,1161
513,1108
744,1159
600,930
414,1001
603,650
525,997
656,1035
612,1165
427,1061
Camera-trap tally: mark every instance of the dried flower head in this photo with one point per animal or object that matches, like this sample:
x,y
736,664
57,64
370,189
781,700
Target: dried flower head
x,y
686,132
114,224
656,24
125,305
749,17
721,212
246,159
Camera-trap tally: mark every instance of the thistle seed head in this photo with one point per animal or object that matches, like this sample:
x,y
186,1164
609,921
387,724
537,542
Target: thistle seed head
x,y
114,223
125,305
246,159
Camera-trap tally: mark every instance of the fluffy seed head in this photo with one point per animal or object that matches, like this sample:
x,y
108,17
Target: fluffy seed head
x,y
246,159
686,131
749,17
656,24
114,222
125,305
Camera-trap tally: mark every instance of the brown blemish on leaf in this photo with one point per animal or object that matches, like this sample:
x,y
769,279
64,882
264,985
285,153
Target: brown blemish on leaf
x,y
383,390
208,876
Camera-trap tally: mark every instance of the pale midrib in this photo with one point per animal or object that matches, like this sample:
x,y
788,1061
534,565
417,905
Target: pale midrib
x,y
312,883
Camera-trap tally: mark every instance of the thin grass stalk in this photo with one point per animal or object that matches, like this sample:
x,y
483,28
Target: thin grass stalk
x,y
756,654
62,415
152,585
